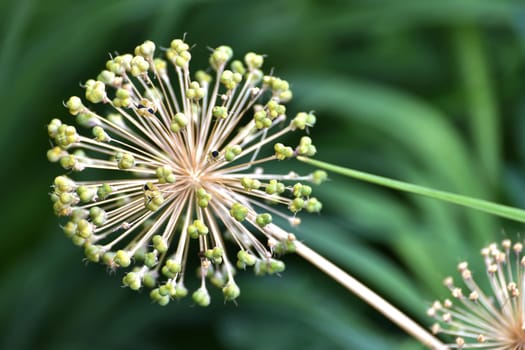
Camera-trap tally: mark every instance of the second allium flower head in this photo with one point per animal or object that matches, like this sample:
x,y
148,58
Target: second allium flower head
x,y
481,320
180,161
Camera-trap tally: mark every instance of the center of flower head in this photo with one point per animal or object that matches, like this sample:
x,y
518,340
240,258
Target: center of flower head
x,y
194,176
184,158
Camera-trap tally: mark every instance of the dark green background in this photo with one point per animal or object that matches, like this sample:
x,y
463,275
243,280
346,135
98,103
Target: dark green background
x,y
431,92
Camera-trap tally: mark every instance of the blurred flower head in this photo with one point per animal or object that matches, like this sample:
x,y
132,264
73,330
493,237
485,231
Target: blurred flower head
x,y
179,168
491,319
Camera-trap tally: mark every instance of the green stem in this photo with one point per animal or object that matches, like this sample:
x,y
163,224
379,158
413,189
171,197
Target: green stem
x,y
474,203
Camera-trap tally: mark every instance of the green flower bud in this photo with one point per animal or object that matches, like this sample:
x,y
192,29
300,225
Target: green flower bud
x,y
160,299
146,49
250,184
167,289
93,252
182,59
84,228
246,257
159,243
173,266
79,214
70,228
275,187
165,174
180,291
231,152
197,228
285,247
108,258
153,200
120,64
86,119
132,280
220,56
107,77
285,96
178,121
299,122
95,91
231,291
201,297
300,190
179,46
238,211
86,194
66,135
220,112
238,67
123,258
275,109
230,79
202,77
160,65
282,152
261,119
78,241
149,280
150,259
74,104
253,61
218,279
263,219
70,162
319,176
269,266
275,266
52,127
67,198
178,53
313,205
55,153
215,255
203,197
305,147
296,205
122,98
104,191
100,134
140,253
116,119
195,92
125,160
98,215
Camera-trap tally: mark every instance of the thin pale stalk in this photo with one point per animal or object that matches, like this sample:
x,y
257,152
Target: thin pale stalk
x,y
374,300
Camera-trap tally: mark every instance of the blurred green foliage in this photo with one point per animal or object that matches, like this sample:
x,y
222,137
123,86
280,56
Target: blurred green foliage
x,y
430,92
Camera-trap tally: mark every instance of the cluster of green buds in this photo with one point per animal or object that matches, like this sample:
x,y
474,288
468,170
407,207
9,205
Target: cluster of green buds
x,y
184,164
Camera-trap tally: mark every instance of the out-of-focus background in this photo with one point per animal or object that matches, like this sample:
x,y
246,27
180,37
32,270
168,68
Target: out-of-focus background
x,y
430,92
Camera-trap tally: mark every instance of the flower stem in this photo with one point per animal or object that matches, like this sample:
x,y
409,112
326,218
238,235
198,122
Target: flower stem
x,y
374,300
474,203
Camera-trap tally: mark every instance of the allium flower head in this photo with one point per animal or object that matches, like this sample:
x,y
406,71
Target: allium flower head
x,y
179,161
486,320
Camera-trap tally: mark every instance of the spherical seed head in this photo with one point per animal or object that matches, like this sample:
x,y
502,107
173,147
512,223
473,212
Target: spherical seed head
x,y
488,320
184,164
